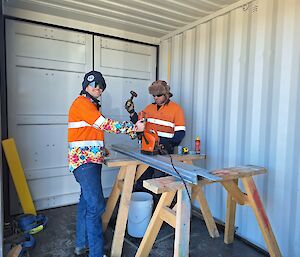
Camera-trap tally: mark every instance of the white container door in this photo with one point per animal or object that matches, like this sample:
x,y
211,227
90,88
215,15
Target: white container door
x,y
45,67
125,66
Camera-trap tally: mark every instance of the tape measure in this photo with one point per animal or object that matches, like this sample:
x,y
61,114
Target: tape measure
x,y
185,150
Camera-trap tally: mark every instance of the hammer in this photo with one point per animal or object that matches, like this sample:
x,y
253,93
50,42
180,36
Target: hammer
x,y
133,94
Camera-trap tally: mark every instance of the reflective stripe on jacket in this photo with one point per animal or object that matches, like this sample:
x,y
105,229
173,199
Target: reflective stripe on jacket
x,y
168,119
84,119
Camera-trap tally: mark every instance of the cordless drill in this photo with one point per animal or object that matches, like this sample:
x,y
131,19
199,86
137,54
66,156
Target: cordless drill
x,y
150,139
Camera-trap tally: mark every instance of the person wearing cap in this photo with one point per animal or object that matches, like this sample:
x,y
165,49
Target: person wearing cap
x,y
164,116
86,126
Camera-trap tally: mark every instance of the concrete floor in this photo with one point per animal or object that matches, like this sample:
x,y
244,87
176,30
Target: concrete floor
x,y
57,240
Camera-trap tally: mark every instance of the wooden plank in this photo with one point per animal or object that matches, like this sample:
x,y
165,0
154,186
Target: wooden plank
x,y
122,173
168,215
189,161
236,194
261,216
154,225
230,216
109,162
15,251
228,174
18,176
113,199
182,231
239,172
140,171
174,207
117,244
206,213
188,157
120,185
168,184
163,184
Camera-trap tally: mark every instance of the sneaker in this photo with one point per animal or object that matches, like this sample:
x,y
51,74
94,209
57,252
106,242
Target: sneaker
x,y
81,250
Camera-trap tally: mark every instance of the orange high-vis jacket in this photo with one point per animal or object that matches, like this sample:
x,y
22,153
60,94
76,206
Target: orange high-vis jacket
x,y
84,119
166,121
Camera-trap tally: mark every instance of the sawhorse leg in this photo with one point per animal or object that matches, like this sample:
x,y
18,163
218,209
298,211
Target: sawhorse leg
x,y
198,194
155,224
235,195
263,221
117,244
178,219
230,214
116,192
113,198
183,220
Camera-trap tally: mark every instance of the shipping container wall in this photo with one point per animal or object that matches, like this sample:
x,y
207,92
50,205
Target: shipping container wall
x,y
37,109
237,76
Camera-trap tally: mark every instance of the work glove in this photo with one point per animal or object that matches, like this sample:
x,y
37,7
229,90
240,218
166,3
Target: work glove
x,y
129,106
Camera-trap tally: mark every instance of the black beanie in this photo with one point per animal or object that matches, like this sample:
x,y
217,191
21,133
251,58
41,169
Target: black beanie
x,y
93,76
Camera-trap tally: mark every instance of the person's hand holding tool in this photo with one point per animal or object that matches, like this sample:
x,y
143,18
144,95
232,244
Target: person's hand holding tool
x,y
129,105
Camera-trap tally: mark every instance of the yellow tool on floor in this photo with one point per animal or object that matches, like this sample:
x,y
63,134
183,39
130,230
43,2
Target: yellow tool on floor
x,y
18,176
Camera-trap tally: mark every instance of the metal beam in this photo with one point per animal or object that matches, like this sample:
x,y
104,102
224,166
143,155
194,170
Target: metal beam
x,y
189,173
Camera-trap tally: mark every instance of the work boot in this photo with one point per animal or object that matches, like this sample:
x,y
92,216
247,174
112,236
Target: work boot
x,y
81,250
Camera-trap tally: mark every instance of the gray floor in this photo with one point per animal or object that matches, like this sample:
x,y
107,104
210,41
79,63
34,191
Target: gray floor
x,y
57,240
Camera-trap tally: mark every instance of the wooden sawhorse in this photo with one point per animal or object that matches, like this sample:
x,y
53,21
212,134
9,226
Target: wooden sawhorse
x,y
179,216
130,171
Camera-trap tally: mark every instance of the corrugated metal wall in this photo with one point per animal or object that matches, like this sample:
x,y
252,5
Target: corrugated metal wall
x,y
238,78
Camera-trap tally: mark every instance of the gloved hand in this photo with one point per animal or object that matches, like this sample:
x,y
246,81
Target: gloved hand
x,y
129,106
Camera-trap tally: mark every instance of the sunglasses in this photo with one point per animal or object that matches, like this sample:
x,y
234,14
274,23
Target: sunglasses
x,y
157,95
95,85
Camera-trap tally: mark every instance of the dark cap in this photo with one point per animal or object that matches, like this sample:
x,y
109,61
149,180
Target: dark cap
x,y
93,76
